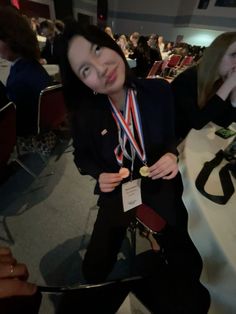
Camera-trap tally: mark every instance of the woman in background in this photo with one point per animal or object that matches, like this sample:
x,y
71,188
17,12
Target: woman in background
x,y
123,43
109,31
207,91
27,77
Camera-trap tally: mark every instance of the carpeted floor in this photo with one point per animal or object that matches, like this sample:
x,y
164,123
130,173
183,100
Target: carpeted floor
x,y
47,221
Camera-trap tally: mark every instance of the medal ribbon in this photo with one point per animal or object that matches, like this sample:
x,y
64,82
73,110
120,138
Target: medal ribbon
x,y
131,115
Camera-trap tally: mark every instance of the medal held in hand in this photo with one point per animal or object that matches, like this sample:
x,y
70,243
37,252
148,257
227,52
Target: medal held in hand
x,y
144,171
124,172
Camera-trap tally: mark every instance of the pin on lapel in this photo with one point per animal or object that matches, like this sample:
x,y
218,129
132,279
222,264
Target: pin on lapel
x,y
104,132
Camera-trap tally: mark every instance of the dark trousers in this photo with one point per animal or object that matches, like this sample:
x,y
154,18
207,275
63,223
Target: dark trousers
x,y
166,288
108,234
110,230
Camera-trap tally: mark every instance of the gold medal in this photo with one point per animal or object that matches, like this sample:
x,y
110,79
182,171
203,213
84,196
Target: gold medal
x,y
144,171
124,172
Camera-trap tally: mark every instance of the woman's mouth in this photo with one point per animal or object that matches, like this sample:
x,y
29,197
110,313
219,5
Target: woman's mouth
x,y
111,77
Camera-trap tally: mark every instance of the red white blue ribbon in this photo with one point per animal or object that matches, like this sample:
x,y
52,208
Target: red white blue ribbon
x,y
126,124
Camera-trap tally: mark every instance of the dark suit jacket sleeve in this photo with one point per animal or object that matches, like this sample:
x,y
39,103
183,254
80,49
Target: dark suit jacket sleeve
x,y
84,155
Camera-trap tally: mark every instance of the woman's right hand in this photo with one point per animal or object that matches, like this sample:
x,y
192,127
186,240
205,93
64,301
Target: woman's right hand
x,y
109,181
13,276
228,85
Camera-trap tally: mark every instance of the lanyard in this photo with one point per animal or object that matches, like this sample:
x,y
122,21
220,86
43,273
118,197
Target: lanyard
x,y
126,126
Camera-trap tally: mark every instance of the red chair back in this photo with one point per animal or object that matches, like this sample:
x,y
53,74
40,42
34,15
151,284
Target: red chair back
x,y
187,61
51,109
7,134
174,60
156,67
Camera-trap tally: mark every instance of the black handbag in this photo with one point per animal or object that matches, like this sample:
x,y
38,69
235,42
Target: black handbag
x,y
224,174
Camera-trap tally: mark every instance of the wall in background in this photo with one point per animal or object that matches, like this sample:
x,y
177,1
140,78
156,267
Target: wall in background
x,y
63,9
37,8
167,17
86,7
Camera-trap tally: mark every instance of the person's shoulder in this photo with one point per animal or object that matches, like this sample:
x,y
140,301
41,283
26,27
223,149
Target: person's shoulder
x,y
151,82
153,85
187,74
27,64
31,73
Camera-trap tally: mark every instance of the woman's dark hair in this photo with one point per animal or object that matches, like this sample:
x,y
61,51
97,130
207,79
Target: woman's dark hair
x,y
74,88
16,32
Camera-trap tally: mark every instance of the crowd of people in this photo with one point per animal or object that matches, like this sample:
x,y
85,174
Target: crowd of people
x,y
148,49
125,131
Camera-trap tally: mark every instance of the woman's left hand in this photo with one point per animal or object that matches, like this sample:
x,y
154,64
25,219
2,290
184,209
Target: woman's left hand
x,y
13,276
166,167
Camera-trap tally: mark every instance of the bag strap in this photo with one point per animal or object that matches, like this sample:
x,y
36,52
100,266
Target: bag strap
x,y
225,179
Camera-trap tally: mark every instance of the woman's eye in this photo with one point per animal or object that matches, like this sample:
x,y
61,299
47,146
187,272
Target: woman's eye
x,y
97,49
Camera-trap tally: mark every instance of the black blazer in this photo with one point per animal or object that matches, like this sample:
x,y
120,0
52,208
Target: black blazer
x,y
52,51
26,80
95,137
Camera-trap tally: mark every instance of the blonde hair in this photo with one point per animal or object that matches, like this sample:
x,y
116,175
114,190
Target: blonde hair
x,y
209,79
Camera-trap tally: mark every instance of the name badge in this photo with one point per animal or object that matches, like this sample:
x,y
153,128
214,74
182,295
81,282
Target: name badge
x,y
131,194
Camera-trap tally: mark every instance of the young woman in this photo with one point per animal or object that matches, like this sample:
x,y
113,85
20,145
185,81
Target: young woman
x,y
207,92
124,137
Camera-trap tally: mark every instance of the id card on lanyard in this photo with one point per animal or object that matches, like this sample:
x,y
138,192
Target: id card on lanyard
x,y
131,194
131,191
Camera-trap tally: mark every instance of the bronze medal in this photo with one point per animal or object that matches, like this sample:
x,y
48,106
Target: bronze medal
x,y
144,171
124,172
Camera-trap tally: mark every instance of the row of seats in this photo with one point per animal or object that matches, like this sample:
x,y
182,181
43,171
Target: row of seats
x,y
170,66
51,114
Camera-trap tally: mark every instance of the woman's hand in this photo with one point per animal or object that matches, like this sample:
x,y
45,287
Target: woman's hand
x,y
109,181
228,85
166,167
13,276
233,97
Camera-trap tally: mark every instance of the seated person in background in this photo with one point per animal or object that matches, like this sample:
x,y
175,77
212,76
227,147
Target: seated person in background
x,y
108,30
181,49
207,91
59,25
123,43
51,52
142,54
27,77
168,50
161,44
34,23
16,294
133,40
155,51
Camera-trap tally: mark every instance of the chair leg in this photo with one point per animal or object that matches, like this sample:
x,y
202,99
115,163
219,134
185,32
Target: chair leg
x,y
132,229
9,238
26,168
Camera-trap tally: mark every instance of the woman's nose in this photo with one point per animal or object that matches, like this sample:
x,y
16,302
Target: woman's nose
x,y
101,68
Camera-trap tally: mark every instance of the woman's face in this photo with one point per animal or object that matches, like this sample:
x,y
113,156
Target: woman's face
x,y
228,62
100,68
